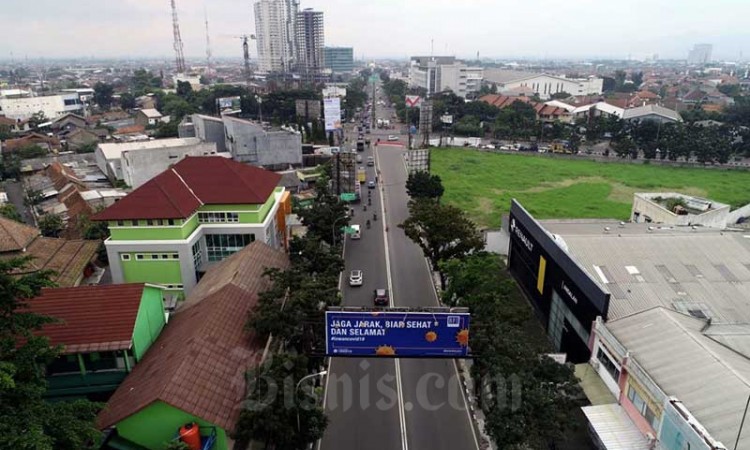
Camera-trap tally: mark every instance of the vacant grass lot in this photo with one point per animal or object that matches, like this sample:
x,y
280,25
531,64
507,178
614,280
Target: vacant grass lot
x,y
482,184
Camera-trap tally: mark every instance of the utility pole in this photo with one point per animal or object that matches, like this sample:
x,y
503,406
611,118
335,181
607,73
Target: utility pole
x,y
178,47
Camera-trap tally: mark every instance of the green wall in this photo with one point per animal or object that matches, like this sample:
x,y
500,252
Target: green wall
x,y
154,272
155,426
149,322
250,214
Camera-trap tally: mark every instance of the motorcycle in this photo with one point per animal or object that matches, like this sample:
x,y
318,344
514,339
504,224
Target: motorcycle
x,y
368,224
364,208
375,217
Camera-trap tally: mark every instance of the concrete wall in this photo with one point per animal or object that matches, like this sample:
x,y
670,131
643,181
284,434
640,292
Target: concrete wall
x,y
139,166
249,143
210,129
644,206
52,106
738,214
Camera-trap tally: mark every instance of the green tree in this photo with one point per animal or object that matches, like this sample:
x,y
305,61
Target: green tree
x,y
51,225
103,95
127,101
144,81
5,132
37,119
625,148
422,184
503,333
167,129
9,211
275,406
560,95
442,231
27,421
31,151
184,89
328,214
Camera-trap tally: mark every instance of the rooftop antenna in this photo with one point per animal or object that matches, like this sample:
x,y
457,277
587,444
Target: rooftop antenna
x,y
208,46
178,47
432,47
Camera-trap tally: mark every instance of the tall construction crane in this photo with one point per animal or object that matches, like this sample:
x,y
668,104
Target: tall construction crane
x,y
246,53
208,47
179,55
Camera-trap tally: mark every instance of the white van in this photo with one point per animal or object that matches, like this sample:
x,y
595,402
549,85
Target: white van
x,y
357,233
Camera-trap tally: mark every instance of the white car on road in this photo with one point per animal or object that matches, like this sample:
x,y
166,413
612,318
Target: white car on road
x,y
355,278
392,138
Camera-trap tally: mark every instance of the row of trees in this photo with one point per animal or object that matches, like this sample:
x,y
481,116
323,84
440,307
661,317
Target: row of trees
x,y
297,299
501,318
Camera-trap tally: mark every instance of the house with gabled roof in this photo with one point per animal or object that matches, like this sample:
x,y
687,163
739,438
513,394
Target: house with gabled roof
x,y
102,332
69,259
196,370
194,214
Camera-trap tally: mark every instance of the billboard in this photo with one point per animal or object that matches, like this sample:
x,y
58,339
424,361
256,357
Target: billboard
x,y
413,101
232,103
397,334
332,112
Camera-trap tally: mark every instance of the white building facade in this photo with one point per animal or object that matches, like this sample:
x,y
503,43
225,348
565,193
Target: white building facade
x,y
52,106
543,84
276,34
443,73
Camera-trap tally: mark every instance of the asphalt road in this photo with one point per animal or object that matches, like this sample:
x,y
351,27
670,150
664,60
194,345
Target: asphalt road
x,y
393,404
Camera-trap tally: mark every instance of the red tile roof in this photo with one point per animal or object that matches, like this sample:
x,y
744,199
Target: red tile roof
x,y
133,129
194,181
198,363
92,318
62,175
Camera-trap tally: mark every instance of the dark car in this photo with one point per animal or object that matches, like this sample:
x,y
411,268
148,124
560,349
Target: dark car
x,y
380,297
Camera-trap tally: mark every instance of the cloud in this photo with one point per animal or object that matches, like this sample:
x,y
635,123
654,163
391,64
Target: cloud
x,y
494,28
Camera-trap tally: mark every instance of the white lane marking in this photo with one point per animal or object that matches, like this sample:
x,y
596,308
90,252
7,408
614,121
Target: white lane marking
x,y
330,360
397,365
455,365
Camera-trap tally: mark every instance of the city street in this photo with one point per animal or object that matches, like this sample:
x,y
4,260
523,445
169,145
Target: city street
x,y
410,403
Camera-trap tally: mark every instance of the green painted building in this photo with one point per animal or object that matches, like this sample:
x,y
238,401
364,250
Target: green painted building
x,y
103,332
195,372
200,211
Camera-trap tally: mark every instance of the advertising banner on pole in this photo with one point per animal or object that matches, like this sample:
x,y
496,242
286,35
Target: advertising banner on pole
x,y
332,113
397,334
413,101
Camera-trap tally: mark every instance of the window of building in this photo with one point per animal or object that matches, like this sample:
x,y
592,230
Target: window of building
x,y
218,217
160,222
170,222
138,256
125,257
197,256
120,223
134,223
640,404
63,364
220,246
150,222
99,361
608,364
154,256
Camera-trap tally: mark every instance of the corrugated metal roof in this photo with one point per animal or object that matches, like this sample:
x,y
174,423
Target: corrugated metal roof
x,y
614,428
686,361
676,266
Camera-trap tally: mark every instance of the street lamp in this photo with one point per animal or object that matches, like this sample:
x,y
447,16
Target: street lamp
x,y
296,388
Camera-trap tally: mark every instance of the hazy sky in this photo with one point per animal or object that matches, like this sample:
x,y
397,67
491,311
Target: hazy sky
x,y
378,28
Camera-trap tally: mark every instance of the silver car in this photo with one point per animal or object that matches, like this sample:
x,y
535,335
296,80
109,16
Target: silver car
x,y
355,278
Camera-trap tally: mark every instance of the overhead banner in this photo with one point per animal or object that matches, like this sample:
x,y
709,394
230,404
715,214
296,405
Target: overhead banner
x,y
332,113
228,103
413,101
447,119
397,334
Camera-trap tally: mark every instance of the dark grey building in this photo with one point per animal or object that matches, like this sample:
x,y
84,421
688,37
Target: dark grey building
x,y
339,59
